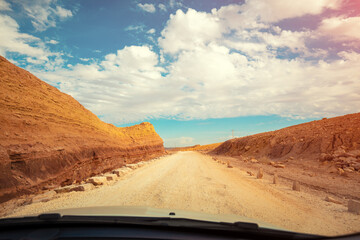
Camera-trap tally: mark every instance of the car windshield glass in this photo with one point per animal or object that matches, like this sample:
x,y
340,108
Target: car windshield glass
x,y
222,111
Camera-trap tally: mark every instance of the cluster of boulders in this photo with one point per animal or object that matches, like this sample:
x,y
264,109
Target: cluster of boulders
x,y
345,161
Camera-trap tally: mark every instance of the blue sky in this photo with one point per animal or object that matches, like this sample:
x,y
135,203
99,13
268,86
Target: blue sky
x,y
195,69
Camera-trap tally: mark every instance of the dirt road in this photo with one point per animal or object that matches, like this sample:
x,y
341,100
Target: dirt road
x,y
192,181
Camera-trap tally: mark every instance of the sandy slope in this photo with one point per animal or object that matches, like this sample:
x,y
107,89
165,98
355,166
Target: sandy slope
x,y
49,138
192,181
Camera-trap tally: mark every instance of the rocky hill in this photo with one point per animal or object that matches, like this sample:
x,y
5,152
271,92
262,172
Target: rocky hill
x,y
48,139
334,140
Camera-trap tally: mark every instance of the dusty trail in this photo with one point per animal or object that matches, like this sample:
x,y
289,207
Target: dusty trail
x,y
192,181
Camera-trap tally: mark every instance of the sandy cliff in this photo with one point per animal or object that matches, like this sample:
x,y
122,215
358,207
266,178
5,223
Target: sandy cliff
x,y
48,139
334,139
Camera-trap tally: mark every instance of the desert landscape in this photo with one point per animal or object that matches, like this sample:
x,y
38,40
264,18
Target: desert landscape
x,y
56,154
48,139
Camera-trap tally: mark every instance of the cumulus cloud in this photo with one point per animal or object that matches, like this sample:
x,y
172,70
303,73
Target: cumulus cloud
x,y
151,31
175,4
211,83
136,28
26,47
277,10
62,12
341,28
179,142
12,40
234,61
189,30
147,7
44,13
162,7
130,81
227,71
52,41
4,6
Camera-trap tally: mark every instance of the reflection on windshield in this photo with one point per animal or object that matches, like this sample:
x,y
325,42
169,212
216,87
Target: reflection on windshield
x,y
219,111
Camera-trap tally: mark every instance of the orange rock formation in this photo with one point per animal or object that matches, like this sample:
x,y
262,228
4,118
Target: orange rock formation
x,y
335,140
48,139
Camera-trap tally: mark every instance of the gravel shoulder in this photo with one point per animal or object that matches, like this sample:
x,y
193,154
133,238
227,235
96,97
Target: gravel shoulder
x,y
195,182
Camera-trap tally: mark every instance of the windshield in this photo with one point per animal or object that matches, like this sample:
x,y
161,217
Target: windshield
x,y
220,110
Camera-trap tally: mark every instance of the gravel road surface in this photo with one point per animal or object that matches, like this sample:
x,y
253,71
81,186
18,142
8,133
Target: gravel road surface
x,y
193,181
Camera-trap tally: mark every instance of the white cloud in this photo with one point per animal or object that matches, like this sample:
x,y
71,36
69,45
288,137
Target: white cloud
x,y
4,6
189,30
162,7
257,14
219,68
45,13
216,73
63,13
52,41
130,83
175,4
34,60
295,41
151,31
14,41
136,28
147,7
277,10
341,28
27,47
211,83
179,142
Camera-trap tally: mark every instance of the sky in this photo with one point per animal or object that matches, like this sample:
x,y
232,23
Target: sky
x,y
200,71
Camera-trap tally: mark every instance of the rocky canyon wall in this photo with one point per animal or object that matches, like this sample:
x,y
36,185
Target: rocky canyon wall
x,y
48,139
334,139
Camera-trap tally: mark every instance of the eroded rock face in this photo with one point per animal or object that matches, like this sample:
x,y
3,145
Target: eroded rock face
x,y
47,138
335,139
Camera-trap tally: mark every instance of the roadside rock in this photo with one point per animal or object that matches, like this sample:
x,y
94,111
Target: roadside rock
x,y
260,174
356,166
97,180
253,160
278,165
132,166
111,176
354,206
349,169
76,188
275,179
333,200
45,197
296,186
326,157
250,173
86,187
121,171
341,171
